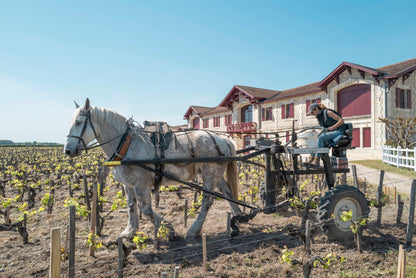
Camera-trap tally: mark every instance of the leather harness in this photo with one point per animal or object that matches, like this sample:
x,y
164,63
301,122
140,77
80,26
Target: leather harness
x,y
122,147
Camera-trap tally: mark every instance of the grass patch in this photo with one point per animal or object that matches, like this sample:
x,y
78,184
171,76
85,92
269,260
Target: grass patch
x,y
380,165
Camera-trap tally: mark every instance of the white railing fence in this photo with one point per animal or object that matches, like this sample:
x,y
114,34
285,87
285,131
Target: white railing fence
x,y
400,157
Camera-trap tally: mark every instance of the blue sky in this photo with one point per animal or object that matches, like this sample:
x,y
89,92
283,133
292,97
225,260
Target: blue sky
x,y
153,59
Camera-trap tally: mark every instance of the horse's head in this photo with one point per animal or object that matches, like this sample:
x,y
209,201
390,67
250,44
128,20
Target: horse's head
x,y
81,132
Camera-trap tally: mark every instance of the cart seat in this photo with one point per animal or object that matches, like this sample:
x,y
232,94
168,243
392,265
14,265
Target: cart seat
x,y
340,150
346,140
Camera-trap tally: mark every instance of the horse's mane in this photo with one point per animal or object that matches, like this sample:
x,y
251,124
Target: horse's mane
x,y
108,116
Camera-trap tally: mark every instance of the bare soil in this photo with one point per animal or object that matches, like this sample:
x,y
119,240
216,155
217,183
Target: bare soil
x,y
256,252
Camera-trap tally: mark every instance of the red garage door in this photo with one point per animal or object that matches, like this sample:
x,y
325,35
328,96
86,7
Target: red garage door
x,y
367,137
355,100
355,137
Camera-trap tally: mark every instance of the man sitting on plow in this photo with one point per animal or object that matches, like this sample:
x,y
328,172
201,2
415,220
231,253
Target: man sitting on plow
x,y
333,129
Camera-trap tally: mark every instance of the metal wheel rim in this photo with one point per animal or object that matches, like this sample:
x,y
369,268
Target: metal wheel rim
x,y
346,204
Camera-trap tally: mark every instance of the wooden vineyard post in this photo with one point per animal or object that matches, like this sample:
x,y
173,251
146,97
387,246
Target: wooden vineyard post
x,y
176,272
186,214
55,258
379,197
23,229
51,197
308,237
70,190
228,224
401,266
120,257
66,244
71,249
93,217
354,175
400,205
387,195
344,178
204,252
7,220
359,237
101,181
87,193
410,223
365,185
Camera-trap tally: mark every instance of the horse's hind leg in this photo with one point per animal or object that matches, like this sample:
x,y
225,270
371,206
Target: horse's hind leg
x,y
196,227
145,200
133,222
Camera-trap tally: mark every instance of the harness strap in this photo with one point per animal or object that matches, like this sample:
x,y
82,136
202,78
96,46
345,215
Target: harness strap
x,y
216,145
159,153
122,147
191,146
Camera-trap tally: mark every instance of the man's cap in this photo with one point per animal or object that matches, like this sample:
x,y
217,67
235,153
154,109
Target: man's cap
x,y
311,107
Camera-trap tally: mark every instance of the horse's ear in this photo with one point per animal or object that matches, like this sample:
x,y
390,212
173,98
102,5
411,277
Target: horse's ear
x,y
76,104
87,104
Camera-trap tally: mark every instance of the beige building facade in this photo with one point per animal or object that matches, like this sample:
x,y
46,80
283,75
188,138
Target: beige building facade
x,y
361,94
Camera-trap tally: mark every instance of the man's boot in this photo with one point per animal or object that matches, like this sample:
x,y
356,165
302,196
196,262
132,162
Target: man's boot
x,y
309,161
316,161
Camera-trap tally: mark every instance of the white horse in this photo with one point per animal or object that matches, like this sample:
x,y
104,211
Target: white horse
x,y
107,127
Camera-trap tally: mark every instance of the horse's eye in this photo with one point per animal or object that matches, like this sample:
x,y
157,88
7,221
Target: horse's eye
x,y
77,123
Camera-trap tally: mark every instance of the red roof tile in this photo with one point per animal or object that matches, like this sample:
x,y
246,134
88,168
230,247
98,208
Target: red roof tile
x,y
197,110
298,91
251,93
399,68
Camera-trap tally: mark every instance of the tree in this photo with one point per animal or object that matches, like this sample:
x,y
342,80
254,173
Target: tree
x,y
400,131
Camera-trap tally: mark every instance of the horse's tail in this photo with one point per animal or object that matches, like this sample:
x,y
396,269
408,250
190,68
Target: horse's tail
x,y
232,172
232,175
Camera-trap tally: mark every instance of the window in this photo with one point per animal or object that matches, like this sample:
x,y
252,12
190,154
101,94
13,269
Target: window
x,y
247,114
228,119
287,136
205,123
287,111
267,114
216,121
310,101
403,98
247,141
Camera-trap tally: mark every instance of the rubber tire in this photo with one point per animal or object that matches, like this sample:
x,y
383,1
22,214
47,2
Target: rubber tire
x,y
349,195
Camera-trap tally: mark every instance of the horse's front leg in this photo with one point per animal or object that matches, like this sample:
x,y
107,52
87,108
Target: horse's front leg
x,y
145,200
133,222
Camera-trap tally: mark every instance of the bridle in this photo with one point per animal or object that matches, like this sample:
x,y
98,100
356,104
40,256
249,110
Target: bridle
x,y
87,115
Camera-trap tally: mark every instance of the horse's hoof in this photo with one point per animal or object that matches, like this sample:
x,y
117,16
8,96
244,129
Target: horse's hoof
x,y
192,237
127,234
172,235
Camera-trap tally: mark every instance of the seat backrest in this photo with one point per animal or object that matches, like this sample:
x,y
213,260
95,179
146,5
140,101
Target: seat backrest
x,y
348,131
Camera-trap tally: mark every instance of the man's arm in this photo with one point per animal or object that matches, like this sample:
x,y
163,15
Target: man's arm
x,y
337,118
